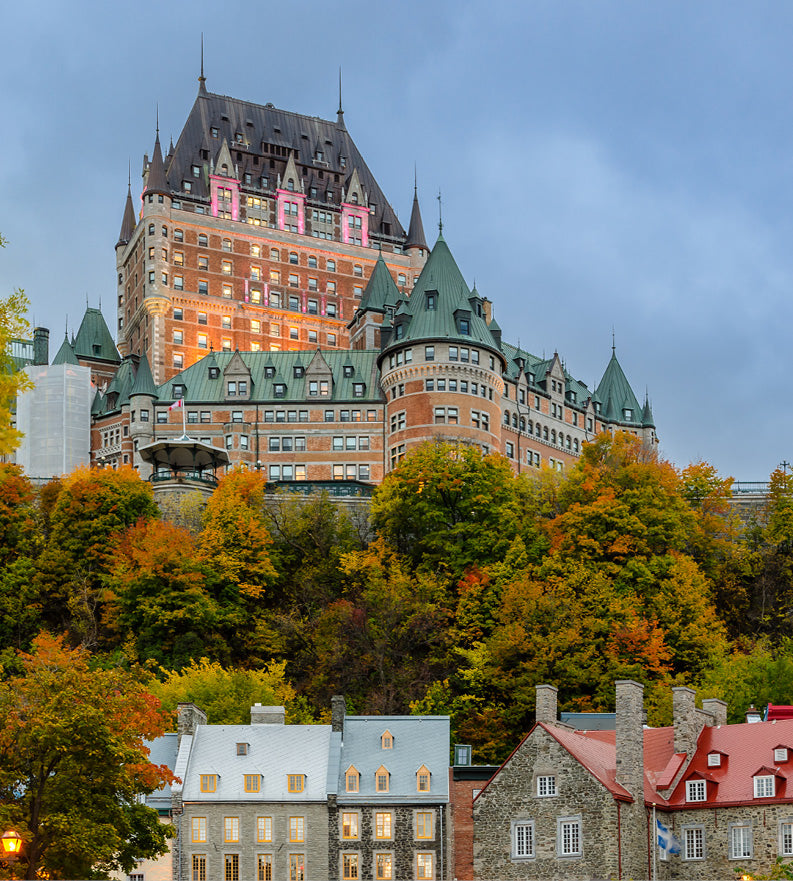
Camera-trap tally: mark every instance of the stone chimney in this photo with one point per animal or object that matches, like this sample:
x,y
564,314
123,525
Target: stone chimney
x,y
688,723
545,704
717,709
630,737
41,346
188,718
487,309
267,715
338,710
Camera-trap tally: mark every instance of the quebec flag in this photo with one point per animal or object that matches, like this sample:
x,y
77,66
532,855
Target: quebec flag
x,y
667,842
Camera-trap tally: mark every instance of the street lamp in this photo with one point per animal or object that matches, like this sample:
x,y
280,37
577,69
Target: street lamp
x,y
12,846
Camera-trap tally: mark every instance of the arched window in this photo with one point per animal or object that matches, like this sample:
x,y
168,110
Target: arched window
x,y
523,423
553,436
575,444
545,433
226,244
514,420
151,229
506,417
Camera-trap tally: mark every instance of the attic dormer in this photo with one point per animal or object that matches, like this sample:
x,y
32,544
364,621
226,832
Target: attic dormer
x,y
291,200
355,213
237,379
224,186
318,377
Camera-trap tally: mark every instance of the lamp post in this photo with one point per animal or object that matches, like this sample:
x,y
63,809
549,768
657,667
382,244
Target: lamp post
x,y
12,846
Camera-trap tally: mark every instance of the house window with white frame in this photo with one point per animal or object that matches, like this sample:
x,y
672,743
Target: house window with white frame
x,y
786,838
740,842
546,785
764,786
522,840
694,843
568,837
696,790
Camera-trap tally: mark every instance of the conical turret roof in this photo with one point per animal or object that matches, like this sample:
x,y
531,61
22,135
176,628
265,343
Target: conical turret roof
x,y
416,237
615,391
93,339
128,221
156,183
65,355
144,382
647,414
381,289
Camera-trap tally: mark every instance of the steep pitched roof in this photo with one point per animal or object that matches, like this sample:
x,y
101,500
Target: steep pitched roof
x,y
144,382
424,318
128,221
268,132
615,388
65,355
155,182
416,237
93,340
381,289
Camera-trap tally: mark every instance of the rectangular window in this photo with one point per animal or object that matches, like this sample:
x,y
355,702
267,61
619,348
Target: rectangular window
x,y
696,791
209,782
740,842
349,863
546,786
297,829
231,863
349,825
424,866
764,787
522,840
383,824
297,867
264,828
199,828
384,866
429,353
694,843
252,782
199,867
231,828
786,838
569,837
264,864
423,824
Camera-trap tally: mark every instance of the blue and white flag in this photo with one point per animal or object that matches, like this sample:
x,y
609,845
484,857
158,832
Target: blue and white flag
x,y
666,839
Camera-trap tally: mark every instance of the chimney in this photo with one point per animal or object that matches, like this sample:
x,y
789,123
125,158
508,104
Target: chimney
x,y
338,710
188,718
630,737
717,709
41,346
487,308
753,715
687,722
267,715
545,704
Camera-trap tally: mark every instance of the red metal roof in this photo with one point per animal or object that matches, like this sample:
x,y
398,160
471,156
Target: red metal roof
x,y
778,711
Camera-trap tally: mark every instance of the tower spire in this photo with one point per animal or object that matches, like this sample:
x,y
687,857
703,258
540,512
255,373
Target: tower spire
x,y
416,238
340,111
202,89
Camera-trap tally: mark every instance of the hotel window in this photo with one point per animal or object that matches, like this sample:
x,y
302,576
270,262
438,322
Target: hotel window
x,y
209,782
178,258
232,867
297,867
424,866
202,318
256,250
786,838
256,325
225,322
349,825
199,829
294,303
764,786
225,267
423,779
522,840
350,866
297,829
199,867
264,864
429,353
384,866
357,291
226,291
313,308
546,785
252,782
202,341
231,829
568,837
694,843
264,828
331,339
225,344
178,361
226,244
178,282
296,782
312,336
203,262
424,824
382,779
383,825
178,337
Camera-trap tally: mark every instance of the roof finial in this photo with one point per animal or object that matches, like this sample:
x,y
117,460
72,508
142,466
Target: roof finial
x,y
201,78
415,179
340,111
613,341
440,212
158,120
129,175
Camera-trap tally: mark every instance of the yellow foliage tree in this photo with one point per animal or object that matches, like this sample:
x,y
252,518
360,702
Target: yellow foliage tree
x,y
13,325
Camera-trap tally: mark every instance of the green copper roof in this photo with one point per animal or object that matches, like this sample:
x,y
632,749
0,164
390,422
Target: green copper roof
x,y
647,414
381,289
438,303
93,340
616,396
65,355
538,367
144,382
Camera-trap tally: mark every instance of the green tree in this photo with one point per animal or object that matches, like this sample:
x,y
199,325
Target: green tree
x,y
73,761
13,325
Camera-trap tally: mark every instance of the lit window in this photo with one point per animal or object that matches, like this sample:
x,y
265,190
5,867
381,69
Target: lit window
x,y
232,867
384,867
522,840
252,782
424,824
297,829
225,267
199,828
264,867
350,866
546,786
296,782
764,786
382,779
231,828
424,866
383,823
209,782
349,825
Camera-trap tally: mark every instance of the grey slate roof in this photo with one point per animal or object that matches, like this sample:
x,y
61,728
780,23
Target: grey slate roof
x,y
416,237
274,751
291,132
418,740
200,388
155,182
163,751
128,221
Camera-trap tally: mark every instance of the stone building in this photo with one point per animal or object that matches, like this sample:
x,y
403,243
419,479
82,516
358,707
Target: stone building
x,y
579,804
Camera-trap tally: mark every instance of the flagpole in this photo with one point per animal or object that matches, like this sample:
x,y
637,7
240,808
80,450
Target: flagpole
x,y
184,424
655,846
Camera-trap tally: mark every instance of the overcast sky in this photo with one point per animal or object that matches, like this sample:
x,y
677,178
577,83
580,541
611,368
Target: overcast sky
x,y
603,165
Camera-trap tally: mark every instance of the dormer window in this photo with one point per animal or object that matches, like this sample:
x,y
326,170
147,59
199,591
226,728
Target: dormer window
x,y
714,760
231,389
279,390
382,779
764,786
358,389
298,371
432,302
352,779
252,782
214,372
209,782
387,740
348,370
465,327
242,749
780,754
269,372
290,185
213,131
399,331
423,779
627,413
296,782
177,391
696,790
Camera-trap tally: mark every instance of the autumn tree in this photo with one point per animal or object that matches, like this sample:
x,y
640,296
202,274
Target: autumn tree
x,y
73,762
13,325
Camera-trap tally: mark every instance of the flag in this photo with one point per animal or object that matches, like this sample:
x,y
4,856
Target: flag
x,y
667,841
177,404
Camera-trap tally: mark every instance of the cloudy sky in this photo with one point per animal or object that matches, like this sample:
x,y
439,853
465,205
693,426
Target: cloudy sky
x,y
603,165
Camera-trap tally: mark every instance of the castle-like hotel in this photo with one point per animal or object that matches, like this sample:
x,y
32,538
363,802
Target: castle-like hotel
x,y
271,305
